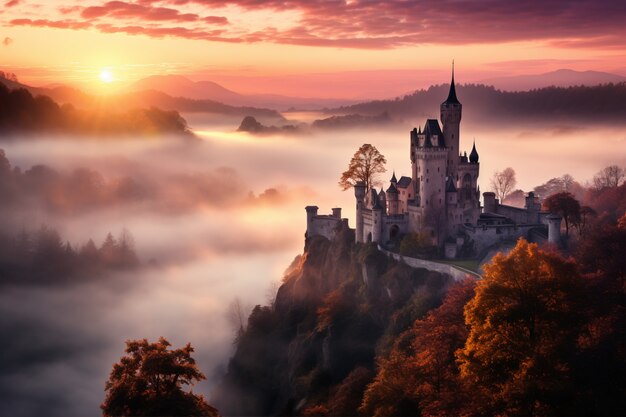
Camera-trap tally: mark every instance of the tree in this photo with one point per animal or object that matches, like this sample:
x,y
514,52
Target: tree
x,y
149,381
420,376
503,182
586,214
610,176
364,166
524,321
566,205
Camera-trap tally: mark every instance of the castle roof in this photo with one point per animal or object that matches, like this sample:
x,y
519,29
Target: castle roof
x,y
404,182
473,157
392,188
450,187
452,93
393,178
431,128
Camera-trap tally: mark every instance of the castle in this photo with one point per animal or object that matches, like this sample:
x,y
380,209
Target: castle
x,y
441,199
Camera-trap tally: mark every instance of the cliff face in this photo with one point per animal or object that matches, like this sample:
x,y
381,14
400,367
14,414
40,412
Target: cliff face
x,y
339,307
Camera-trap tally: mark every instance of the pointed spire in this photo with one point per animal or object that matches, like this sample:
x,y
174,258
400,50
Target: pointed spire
x,y
393,178
473,158
452,93
419,132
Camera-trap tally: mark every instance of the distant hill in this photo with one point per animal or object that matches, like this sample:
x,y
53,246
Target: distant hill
x,y
21,113
559,78
604,103
179,86
140,99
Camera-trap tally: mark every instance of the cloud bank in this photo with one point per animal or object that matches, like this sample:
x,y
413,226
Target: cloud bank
x,y
351,24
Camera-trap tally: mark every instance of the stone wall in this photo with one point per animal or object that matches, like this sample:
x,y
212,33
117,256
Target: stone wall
x,y
456,272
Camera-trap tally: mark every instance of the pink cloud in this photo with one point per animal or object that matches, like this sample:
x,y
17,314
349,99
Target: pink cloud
x,y
215,20
58,24
377,25
12,3
126,10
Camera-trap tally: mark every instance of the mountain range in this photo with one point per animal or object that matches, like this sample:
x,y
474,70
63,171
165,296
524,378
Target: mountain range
x,y
179,86
558,78
585,101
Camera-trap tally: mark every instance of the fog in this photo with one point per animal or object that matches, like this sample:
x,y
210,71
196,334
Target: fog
x,y
217,218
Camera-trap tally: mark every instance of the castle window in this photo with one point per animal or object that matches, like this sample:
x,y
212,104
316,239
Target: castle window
x,y
427,170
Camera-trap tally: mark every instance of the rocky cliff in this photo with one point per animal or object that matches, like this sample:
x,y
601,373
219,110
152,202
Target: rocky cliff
x,y
340,306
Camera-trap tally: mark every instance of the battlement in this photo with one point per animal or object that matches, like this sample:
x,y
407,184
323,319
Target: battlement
x,y
323,224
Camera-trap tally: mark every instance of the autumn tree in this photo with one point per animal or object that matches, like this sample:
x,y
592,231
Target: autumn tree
x,y
149,381
524,324
586,215
420,375
566,205
610,176
364,166
503,182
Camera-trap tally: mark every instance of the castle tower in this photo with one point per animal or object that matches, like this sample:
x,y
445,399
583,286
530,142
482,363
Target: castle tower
x,y
430,166
377,227
382,200
490,202
311,211
451,121
393,201
359,194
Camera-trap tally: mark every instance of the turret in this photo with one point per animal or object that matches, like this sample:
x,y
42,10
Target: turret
x,y
393,201
532,208
311,212
473,157
490,202
382,200
377,227
451,120
359,194
337,212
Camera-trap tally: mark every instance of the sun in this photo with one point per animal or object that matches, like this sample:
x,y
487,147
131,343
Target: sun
x,y
106,76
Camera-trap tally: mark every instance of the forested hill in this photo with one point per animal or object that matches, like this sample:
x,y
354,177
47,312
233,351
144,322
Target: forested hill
x,y
602,103
22,113
354,333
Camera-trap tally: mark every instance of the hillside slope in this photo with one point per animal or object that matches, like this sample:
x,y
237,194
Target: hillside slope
x,y
341,304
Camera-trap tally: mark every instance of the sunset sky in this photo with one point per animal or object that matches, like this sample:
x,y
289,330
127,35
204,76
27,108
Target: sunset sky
x,y
307,47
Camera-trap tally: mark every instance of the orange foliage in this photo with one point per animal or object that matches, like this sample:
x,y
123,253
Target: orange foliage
x,y
420,375
524,321
148,381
